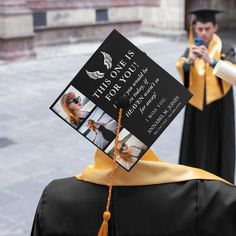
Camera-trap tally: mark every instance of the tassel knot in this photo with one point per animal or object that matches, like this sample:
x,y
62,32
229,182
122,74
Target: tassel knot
x,y
106,215
103,231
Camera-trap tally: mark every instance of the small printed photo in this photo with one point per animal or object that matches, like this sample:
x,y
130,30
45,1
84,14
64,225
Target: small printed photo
x,y
130,149
99,128
73,107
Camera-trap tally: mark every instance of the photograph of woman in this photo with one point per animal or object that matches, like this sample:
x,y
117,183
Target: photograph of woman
x,y
99,128
74,107
129,148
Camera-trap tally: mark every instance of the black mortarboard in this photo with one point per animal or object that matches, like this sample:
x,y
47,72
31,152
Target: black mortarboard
x,y
205,15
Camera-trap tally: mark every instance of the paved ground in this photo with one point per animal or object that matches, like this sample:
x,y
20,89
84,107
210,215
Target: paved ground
x,y
35,145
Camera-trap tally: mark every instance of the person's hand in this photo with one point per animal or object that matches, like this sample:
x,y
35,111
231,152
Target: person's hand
x,y
202,52
197,50
191,58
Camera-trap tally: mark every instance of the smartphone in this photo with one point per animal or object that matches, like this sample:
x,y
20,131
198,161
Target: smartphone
x,y
198,41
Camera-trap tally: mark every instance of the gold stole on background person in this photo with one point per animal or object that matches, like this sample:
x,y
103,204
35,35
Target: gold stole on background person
x,y
201,74
149,170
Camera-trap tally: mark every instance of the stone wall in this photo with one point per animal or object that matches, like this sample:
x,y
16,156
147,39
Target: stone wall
x,y
165,19
16,30
25,24
74,21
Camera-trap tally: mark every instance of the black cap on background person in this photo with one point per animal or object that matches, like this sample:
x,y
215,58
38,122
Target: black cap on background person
x,y
205,15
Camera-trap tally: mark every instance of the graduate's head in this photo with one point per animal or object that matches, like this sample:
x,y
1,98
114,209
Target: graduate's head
x,y
205,23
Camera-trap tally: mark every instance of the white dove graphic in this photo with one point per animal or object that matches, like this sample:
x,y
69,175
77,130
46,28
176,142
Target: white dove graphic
x,y
107,60
95,74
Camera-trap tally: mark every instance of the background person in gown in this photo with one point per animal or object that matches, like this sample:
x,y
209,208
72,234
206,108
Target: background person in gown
x,y
208,139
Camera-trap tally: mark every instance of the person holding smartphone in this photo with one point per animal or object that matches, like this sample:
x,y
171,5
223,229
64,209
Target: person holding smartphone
x,y
208,138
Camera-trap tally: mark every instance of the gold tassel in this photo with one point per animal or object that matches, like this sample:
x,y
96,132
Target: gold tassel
x,y
103,231
191,43
190,37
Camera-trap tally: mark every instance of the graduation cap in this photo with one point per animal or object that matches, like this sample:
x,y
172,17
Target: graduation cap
x,y
153,100
205,15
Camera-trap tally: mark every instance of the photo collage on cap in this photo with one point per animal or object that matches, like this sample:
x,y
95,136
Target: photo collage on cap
x,y
98,127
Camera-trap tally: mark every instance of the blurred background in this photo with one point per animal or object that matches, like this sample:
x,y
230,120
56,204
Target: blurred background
x,y
43,44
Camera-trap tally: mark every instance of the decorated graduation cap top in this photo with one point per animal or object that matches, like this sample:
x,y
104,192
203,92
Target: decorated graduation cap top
x,y
205,15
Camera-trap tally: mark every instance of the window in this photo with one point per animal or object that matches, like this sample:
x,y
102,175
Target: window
x,y
101,15
39,18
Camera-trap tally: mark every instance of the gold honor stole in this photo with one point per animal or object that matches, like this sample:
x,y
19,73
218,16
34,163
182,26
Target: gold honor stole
x,y
201,75
149,170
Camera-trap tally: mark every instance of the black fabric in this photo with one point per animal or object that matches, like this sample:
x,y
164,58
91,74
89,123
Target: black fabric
x,y
208,138
106,133
216,209
228,52
205,15
186,73
72,207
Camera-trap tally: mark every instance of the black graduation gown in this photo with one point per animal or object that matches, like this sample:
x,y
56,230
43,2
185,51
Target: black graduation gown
x,y
208,137
71,207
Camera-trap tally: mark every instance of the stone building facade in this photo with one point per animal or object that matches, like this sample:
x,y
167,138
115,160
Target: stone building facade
x,y
26,24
